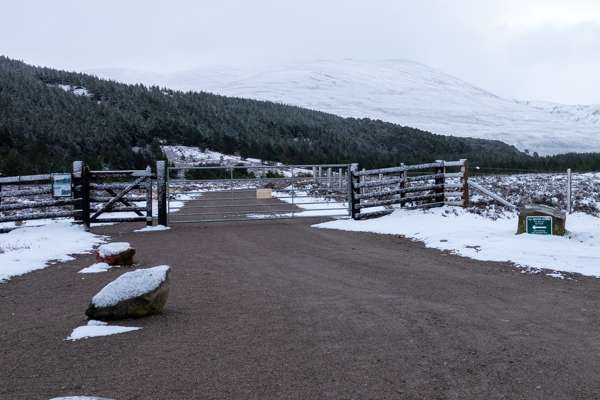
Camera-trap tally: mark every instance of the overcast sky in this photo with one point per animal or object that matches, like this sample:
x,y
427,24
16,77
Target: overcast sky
x,y
527,49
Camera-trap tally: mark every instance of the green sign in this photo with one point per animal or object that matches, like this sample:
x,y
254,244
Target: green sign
x,y
539,225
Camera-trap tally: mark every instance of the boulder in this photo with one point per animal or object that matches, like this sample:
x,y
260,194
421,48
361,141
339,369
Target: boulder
x,y
134,294
559,218
118,253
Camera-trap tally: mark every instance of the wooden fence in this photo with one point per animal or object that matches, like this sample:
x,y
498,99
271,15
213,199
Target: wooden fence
x,y
92,196
423,185
30,197
127,195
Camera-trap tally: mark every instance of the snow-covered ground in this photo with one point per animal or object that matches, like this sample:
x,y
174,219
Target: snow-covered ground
x,y
549,189
471,235
399,91
31,248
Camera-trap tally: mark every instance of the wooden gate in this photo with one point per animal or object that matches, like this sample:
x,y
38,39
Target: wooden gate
x,y
113,196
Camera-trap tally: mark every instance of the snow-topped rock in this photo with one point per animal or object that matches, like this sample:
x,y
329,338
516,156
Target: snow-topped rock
x,y
134,294
117,253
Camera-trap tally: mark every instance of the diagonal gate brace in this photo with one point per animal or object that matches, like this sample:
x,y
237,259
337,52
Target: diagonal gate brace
x,y
122,201
118,197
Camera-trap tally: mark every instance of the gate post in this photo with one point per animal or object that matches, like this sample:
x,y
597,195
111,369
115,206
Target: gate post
x,y
149,213
465,181
161,188
352,168
81,191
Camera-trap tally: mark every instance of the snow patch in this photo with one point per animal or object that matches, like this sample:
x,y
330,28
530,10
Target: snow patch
x,y
131,284
157,228
98,328
32,248
95,268
80,398
470,235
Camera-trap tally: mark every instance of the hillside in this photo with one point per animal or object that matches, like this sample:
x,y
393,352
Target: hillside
x,y
398,91
48,118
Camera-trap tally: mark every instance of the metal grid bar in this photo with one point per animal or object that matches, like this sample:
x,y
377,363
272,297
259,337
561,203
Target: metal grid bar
x,y
340,216
246,212
237,205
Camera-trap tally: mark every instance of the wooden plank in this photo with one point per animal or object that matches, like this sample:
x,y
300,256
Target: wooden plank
x,y
47,215
8,180
394,201
423,177
115,186
22,193
458,163
373,214
37,204
410,189
121,173
491,194
136,209
383,182
398,169
115,220
104,199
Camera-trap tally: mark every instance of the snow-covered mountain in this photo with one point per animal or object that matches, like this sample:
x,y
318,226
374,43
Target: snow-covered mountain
x,y
400,91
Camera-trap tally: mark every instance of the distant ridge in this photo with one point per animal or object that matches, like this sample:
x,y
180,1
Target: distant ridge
x,y
399,91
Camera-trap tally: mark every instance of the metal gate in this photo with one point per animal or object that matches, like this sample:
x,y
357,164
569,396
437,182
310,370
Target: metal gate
x,y
257,192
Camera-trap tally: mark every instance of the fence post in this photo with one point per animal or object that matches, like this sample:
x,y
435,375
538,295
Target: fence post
x,y
465,181
149,213
569,192
439,197
314,172
161,189
403,176
352,168
328,178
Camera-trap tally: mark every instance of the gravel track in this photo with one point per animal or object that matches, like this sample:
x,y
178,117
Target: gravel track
x,y
280,310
